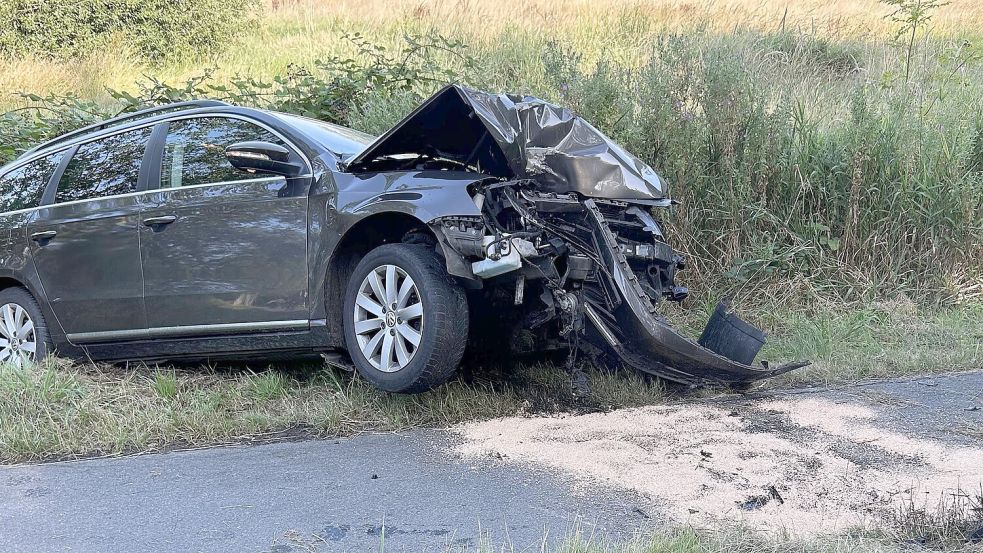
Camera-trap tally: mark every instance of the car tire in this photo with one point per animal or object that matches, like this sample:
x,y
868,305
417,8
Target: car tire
x,y
22,329
419,344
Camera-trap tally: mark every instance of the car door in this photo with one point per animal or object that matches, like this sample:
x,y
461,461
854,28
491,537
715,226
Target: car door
x,y
223,250
85,244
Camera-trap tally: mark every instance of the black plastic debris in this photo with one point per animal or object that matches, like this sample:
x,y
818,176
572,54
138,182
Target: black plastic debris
x,y
731,337
756,502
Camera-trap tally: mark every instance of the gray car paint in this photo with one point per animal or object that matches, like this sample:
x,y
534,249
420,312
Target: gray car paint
x,y
340,202
91,268
276,267
236,253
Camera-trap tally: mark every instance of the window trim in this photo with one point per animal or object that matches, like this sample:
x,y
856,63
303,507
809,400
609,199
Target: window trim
x,y
150,164
47,202
66,154
52,187
157,156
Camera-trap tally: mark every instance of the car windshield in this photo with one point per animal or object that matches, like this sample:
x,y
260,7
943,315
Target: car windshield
x,y
342,141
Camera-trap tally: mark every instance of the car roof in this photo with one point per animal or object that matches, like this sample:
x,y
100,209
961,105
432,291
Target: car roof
x,y
328,137
122,120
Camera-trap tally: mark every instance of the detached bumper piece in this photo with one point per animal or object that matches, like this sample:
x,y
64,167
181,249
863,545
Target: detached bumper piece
x,y
646,341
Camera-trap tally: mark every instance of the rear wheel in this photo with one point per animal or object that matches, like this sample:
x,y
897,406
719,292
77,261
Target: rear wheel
x,y
23,334
406,320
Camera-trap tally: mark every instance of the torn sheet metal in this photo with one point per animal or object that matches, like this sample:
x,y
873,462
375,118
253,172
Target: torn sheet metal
x,y
514,137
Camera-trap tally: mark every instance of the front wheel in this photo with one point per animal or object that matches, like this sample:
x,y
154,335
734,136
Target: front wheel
x,y
406,319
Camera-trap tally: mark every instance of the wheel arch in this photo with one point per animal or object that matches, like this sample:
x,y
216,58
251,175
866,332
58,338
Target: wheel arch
x,y
368,233
11,282
11,279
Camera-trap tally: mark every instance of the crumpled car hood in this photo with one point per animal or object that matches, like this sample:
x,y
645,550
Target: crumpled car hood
x,y
515,137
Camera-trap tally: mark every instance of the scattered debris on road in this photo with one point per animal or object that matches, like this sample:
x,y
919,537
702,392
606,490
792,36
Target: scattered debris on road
x,y
802,465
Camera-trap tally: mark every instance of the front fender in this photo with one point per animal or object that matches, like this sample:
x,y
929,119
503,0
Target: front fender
x,y
340,201
426,195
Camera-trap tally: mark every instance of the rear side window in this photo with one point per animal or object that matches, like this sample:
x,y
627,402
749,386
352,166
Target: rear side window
x,y
105,167
22,188
194,152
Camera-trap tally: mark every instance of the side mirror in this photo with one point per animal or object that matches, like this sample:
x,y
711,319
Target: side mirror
x,y
262,157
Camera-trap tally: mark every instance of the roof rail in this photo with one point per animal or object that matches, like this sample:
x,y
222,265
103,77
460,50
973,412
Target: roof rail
x,y
143,113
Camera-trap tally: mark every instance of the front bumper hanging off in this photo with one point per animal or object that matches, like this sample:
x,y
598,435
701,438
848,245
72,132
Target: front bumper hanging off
x,y
646,341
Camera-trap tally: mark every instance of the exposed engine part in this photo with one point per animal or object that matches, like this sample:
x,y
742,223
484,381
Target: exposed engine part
x,y
464,234
502,255
579,268
604,268
570,309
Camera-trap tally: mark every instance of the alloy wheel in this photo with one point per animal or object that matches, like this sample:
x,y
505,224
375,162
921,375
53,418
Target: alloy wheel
x,y
388,318
18,337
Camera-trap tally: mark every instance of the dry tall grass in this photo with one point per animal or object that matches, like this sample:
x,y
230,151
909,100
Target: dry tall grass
x,y
491,17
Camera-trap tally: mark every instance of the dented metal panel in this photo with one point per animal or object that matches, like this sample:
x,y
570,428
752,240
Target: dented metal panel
x,y
594,264
514,137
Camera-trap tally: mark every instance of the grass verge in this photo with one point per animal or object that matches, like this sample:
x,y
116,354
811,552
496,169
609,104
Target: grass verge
x,y
736,539
725,539
740,540
63,410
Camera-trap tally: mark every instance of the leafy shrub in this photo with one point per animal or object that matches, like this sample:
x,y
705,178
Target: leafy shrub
x,y
339,90
861,189
46,117
334,90
157,29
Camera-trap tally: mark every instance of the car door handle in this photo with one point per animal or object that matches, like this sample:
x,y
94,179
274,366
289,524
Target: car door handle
x,y
43,237
159,221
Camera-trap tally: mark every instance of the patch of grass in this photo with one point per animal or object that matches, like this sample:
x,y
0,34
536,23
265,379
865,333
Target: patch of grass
x,y
875,341
165,384
267,386
947,525
63,410
737,539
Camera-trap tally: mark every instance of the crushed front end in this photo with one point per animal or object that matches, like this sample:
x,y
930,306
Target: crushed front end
x,y
565,248
593,272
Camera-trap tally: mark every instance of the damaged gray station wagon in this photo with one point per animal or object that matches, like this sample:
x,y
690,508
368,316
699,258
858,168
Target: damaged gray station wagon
x,y
203,230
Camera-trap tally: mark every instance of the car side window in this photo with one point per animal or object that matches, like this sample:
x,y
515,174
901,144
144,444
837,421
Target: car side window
x,y
23,187
194,151
104,167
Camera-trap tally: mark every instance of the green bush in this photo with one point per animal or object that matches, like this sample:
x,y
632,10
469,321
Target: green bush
x,y
349,91
156,29
809,173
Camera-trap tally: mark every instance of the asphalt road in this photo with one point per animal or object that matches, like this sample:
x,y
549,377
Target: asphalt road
x,y
345,495
358,494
